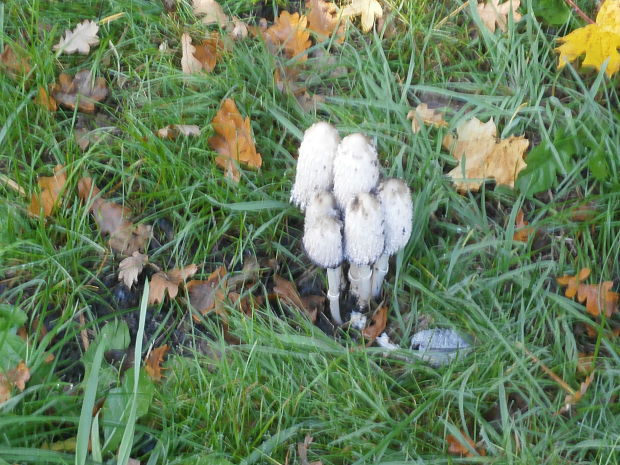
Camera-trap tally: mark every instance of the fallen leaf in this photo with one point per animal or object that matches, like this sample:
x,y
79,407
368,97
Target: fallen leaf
x,y
233,140
15,65
152,364
212,11
189,63
80,91
573,282
599,42
585,363
480,156
237,29
456,447
369,10
130,238
424,115
172,131
290,33
202,57
522,233
44,99
572,399
15,377
324,21
302,451
51,188
169,281
493,13
287,291
377,325
207,295
80,39
130,268
598,296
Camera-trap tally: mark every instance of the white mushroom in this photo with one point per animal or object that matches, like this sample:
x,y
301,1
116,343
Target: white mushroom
x,y
320,204
315,163
356,168
397,209
364,242
323,243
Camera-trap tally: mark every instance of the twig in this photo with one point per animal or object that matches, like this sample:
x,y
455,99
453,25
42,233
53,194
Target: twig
x,y
12,184
579,11
563,384
451,15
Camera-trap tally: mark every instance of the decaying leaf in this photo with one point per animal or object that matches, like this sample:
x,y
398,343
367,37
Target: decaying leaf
x,y
80,91
302,451
45,100
324,21
113,219
289,33
152,364
572,399
573,282
377,325
237,29
202,57
522,232
80,39
287,291
211,10
456,447
15,65
169,281
208,295
424,115
172,131
130,268
233,140
493,13
599,42
480,156
51,188
16,377
369,11
598,297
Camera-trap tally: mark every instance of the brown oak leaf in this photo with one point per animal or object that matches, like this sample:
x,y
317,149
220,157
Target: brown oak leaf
x,y
130,268
15,65
377,325
456,447
208,295
493,13
15,377
289,32
51,188
324,21
597,297
80,91
169,281
202,57
424,115
233,140
573,282
522,232
287,291
152,364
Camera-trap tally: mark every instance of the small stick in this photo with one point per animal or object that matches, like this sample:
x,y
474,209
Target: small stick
x,y
563,384
579,11
83,333
12,184
451,15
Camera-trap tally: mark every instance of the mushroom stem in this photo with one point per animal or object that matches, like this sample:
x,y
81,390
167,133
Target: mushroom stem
x,y
359,277
379,270
333,293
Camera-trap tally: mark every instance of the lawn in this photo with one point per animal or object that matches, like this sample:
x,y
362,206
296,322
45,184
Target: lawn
x,y
251,383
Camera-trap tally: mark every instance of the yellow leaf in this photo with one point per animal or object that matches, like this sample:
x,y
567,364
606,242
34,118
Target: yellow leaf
x,y
290,33
51,188
425,115
599,42
368,10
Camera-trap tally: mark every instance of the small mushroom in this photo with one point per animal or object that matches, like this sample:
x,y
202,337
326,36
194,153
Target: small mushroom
x,y
321,203
323,243
364,242
356,168
315,163
397,208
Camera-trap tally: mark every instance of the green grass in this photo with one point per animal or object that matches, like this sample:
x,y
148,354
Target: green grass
x,y
252,402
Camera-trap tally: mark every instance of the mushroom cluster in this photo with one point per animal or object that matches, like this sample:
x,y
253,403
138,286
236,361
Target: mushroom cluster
x,y
351,214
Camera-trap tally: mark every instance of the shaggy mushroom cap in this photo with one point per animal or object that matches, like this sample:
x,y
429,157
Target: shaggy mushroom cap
x,y
363,230
395,198
323,242
321,204
315,163
356,168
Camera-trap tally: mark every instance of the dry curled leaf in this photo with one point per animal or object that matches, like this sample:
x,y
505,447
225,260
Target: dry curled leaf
x,y
522,232
201,57
456,447
598,297
237,29
324,20
233,140
51,188
172,131
289,33
599,42
480,156
302,451
80,91
152,364
377,325
424,115
44,99
169,281
208,295
211,12
80,39
369,11
287,291
493,13
573,282
15,65
130,268
16,377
